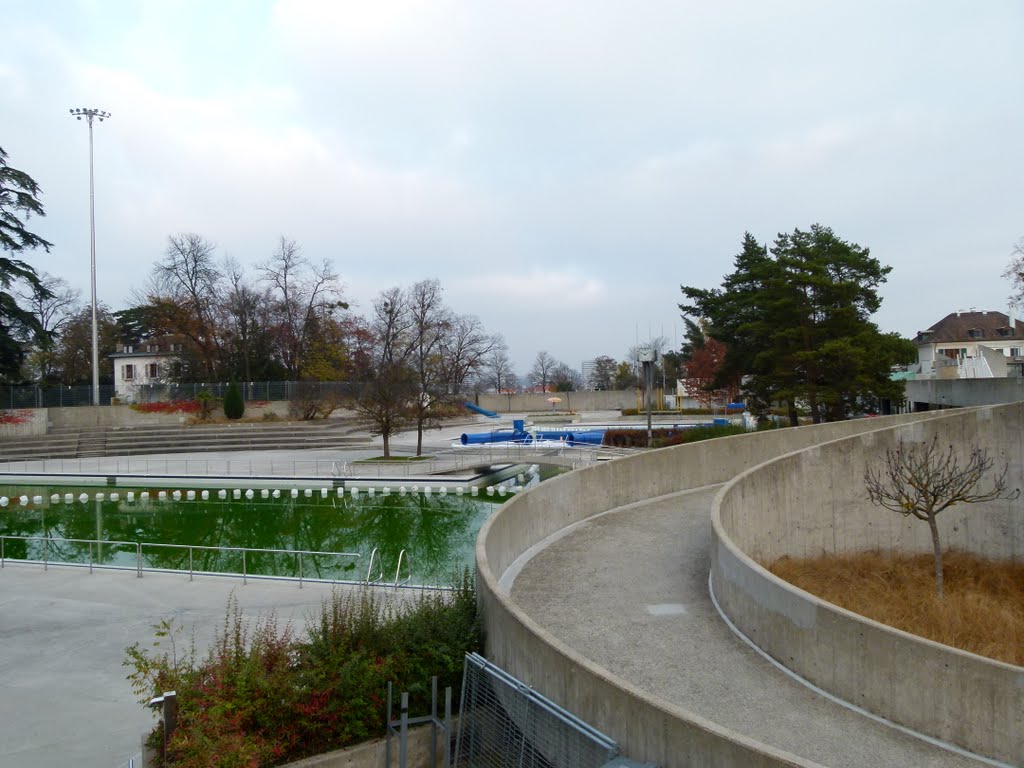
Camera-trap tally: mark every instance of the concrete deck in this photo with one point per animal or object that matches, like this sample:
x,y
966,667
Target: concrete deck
x,y
64,699
629,590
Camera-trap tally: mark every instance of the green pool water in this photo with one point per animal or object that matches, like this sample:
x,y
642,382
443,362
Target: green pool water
x,y
436,533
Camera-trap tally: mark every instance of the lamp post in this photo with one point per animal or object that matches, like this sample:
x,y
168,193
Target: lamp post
x,y
89,114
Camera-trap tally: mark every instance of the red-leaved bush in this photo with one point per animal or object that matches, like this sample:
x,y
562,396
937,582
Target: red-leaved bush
x,y
262,697
15,417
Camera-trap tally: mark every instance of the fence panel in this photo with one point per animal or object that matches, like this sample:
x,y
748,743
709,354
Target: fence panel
x,y
503,722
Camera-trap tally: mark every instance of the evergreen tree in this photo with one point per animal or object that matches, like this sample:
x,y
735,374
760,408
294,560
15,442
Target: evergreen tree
x,y
797,325
234,404
19,199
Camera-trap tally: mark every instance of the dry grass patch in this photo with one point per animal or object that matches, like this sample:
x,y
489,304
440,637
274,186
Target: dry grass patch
x,y
982,612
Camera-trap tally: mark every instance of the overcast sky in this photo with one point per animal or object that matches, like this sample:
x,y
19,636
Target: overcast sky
x,y
560,167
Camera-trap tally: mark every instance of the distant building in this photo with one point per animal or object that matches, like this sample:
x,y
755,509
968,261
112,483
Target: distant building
x,y
144,367
587,370
971,345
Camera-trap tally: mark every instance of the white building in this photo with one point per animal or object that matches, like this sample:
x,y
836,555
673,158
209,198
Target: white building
x,y
149,364
971,345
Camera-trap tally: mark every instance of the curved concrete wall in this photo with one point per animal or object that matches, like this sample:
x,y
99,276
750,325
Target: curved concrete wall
x,y
814,501
647,728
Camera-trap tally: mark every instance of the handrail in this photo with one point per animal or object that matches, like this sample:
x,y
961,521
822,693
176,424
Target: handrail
x,y
369,569
138,545
398,570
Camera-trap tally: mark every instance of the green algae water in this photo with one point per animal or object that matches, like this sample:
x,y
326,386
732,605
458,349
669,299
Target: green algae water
x,y
422,539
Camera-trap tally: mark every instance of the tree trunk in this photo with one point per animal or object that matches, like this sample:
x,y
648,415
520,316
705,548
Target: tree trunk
x,y
794,419
419,436
937,550
387,445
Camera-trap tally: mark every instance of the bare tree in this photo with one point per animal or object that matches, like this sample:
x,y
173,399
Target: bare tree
x,y
1015,271
540,373
301,290
386,401
465,348
498,367
431,322
186,284
244,312
922,480
566,379
53,302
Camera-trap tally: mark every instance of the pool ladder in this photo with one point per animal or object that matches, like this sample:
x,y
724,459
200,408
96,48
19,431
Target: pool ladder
x,y
375,559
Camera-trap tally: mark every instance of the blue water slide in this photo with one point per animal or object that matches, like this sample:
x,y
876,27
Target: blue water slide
x,y
483,411
479,438
590,437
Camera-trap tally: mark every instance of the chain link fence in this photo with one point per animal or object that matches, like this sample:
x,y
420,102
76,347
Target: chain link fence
x,y
38,396
503,722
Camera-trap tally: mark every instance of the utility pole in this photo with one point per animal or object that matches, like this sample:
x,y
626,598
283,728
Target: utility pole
x,y
90,114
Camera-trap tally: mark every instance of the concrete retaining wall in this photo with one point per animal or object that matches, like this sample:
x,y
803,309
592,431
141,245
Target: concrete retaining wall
x,y
611,400
647,727
27,421
814,501
372,754
965,392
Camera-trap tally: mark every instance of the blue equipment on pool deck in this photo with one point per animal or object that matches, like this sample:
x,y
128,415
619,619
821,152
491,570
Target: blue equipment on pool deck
x,y
518,434
484,411
589,437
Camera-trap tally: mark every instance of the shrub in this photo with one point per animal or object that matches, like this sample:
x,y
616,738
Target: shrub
x,y
234,405
262,697
637,438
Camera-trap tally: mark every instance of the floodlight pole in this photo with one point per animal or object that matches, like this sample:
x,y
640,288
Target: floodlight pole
x,y
89,114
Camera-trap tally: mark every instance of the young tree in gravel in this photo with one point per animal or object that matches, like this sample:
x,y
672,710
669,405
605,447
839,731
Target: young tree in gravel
x,y
922,480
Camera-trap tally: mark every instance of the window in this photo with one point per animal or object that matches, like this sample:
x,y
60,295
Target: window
x,y
128,372
128,349
153,371
975,333
1014,351
153,348
1005,331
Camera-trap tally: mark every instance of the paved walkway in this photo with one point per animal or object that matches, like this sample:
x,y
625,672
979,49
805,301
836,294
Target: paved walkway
x,y
629,590
64,699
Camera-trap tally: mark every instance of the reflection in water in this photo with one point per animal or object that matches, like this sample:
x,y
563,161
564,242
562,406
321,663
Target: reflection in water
x,y
436,532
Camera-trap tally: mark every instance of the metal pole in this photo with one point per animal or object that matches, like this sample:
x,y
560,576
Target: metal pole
x,y
89,114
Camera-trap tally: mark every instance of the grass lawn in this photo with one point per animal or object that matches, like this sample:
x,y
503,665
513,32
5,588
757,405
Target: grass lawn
x,y
982,611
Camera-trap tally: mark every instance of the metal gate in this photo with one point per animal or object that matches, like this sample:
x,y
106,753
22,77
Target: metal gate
x,y
503,722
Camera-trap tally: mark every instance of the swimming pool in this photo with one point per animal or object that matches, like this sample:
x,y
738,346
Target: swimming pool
x,y
402,533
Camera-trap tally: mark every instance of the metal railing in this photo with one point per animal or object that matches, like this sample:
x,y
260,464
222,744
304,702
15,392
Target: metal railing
x,y
140,566
326,469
